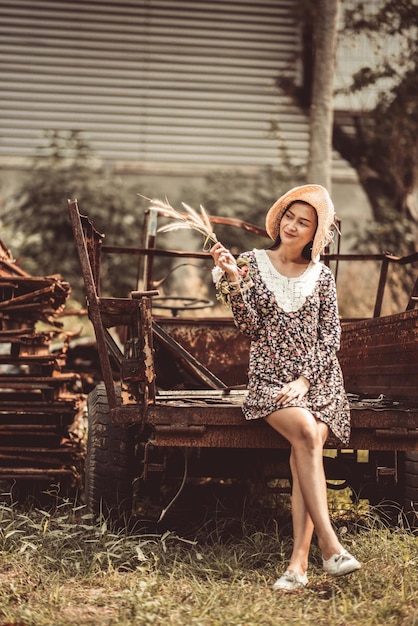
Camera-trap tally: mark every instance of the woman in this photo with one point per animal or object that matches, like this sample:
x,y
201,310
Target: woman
x,y
287,304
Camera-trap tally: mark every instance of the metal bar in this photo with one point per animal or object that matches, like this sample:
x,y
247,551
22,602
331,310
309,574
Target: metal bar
x,y
45,381
411,258
394,433
113,347
381,287
131,250
33,472
93,302
413,298
148,348
25,298
150,239
40,408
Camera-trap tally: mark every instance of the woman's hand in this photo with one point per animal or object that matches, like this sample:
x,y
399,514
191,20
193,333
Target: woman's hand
x,y
296,390
225,260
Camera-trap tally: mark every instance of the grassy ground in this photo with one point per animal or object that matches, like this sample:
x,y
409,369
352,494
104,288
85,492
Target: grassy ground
x,y
207,566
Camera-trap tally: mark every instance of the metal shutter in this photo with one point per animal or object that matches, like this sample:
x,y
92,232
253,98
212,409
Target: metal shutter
x,y
151,82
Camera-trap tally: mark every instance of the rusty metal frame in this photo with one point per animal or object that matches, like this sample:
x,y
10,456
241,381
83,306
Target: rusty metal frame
x,y
88,242
386,260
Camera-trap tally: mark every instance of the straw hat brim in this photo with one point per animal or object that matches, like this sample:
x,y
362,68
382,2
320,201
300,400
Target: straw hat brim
x,y
319,198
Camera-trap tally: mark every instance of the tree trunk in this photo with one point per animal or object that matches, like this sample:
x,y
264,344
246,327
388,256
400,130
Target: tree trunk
x,y
321,111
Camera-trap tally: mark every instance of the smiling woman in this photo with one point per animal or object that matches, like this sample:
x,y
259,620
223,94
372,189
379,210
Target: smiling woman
x,y
297,226
295,381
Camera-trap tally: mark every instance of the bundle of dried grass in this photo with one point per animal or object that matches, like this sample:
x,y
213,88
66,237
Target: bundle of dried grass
x,y
190,219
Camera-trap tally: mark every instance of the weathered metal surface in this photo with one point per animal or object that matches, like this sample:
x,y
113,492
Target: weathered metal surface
x,y
215,419
137,368
173,352
134,313
216,343
88,243
380,356
39,402
261,436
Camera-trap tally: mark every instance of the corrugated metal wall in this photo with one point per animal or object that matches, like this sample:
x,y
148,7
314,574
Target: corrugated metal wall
x,y
152,81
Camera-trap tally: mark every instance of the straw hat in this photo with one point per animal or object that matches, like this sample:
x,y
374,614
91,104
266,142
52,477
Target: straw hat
x,y
319,198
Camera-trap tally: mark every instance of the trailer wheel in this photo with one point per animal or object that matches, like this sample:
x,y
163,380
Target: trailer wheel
x,y
109,461
411,486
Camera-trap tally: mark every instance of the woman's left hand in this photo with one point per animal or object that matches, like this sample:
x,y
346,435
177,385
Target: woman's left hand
x,y
225,260
296,390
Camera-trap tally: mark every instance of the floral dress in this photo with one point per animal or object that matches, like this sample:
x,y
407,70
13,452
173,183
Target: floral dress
x,y
295,330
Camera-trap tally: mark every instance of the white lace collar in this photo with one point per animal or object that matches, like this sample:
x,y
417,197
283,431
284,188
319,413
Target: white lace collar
x,y
290,293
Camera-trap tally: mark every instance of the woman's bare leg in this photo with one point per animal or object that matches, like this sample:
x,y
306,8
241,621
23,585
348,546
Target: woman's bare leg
x,y
302,526
306,436
302,522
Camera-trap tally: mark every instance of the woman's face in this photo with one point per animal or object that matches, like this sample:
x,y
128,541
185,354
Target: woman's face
x,y
298,225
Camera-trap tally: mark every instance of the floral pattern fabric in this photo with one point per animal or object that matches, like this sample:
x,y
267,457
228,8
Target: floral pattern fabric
x,y
286,344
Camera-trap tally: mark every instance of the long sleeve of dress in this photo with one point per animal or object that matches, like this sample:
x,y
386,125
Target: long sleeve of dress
x,y
245,315
246,318
323,351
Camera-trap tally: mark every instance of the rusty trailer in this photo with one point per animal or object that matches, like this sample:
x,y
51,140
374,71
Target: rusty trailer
x,y
169,405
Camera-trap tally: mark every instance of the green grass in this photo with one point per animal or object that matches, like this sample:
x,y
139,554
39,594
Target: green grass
x,y
61,567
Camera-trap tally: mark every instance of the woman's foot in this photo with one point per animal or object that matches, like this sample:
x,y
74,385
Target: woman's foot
x,y
340,564
290,581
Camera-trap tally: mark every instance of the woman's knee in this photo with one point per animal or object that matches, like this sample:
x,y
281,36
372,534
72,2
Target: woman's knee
x,y
298,426
310,435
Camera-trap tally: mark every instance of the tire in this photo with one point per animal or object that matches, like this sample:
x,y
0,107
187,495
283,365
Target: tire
x,y
411,486
109,461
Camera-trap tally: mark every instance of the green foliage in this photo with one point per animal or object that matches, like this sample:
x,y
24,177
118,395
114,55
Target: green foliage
x,y
390,16
394,231
393,234
66,169
385,150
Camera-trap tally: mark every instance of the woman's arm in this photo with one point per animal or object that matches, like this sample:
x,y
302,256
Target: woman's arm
x,y
242,296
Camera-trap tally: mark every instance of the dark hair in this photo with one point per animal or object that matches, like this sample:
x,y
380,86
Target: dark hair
x,y
307,250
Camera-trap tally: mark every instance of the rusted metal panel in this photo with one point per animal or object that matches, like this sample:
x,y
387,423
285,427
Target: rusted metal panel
x,y
173,353
117,311
381,356
216,343
147,349
254,435
215,419
261,436
128,413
